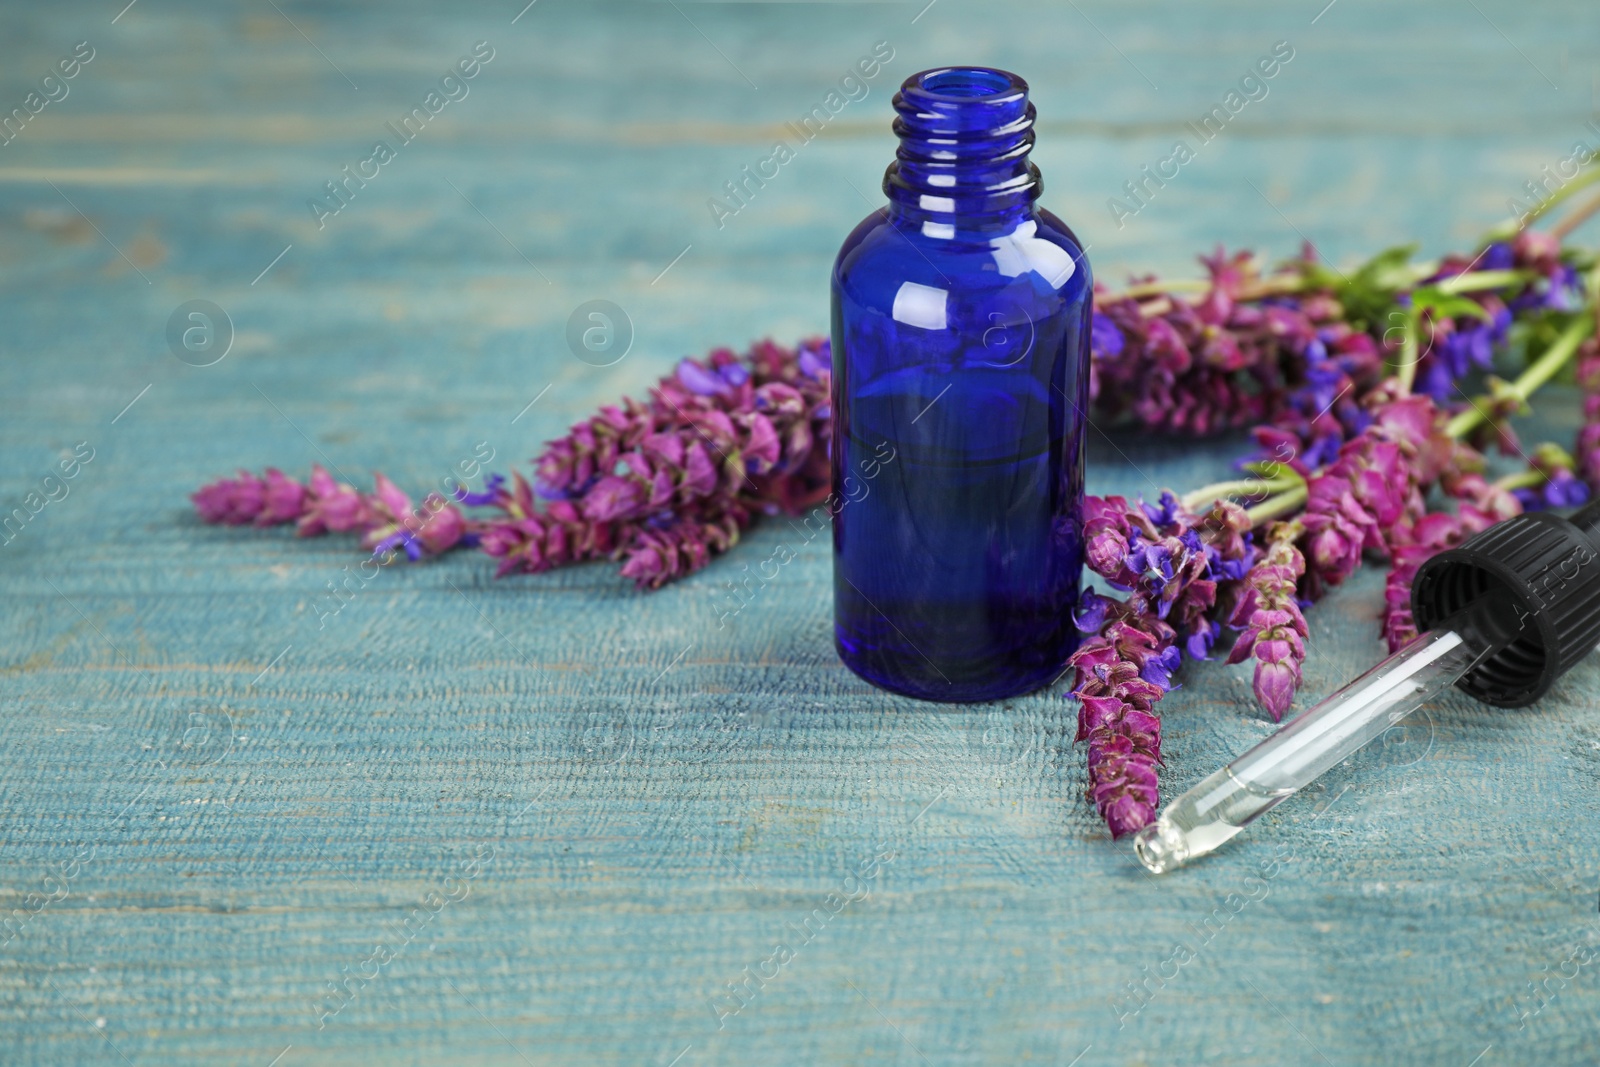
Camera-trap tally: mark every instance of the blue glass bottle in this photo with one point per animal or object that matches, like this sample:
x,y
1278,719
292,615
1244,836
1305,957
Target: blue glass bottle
x,y
960,382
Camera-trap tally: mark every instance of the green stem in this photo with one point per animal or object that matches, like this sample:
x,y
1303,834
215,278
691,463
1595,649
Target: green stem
x,y
1279,506
1562,229
1594,294
1478,280
1527,479
1159,288
1243,487
1406,371
1294,282
1510,229
1540,371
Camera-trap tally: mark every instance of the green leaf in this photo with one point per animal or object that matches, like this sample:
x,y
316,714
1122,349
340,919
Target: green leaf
x,y
1443,305
1274,473
1368,294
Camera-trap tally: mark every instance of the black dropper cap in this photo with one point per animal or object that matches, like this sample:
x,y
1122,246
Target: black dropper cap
x,y
1541,573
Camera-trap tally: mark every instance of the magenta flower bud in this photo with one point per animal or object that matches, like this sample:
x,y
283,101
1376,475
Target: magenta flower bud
x,y
780,399
797,444
1439,528
1222,351
389,496
661,489
1275,684
699,473
1096,713
1332,553
610,498
1144,730
230,501
1408,418
1272,618
331,507
1588,444
1536,249
1129,813
716,427
635,463
444,527
1166,346
1283,647
282,499
212,501
763,449
646,565
1106,552
664,446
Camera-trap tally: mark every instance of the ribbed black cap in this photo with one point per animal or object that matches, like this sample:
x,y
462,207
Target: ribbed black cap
x,y
1547,569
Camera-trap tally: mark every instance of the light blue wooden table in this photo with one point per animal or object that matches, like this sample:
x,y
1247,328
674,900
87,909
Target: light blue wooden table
x,y
554,821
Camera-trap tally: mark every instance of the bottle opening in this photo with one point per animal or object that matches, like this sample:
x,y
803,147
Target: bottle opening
x,y
966,82
965,134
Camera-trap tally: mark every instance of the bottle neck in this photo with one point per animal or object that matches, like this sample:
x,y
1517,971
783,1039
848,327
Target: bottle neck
x,y
965,134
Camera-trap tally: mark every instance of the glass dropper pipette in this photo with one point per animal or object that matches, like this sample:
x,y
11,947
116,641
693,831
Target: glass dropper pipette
x,y
1504,614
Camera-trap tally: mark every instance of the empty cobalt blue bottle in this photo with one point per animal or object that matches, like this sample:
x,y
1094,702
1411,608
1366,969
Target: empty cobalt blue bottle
x,y
960,381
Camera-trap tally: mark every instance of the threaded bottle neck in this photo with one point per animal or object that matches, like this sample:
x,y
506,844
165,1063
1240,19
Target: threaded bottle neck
x,y
965,134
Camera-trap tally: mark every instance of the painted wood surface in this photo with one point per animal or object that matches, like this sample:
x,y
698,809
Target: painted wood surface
x,y
228,798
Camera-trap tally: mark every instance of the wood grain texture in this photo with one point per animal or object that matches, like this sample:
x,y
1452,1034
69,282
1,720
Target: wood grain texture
x,y
662,802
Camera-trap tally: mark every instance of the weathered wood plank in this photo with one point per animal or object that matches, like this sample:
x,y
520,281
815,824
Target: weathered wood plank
x,y
666,800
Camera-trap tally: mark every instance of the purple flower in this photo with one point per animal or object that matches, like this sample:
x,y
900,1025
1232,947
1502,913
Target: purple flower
x,y
815,361
1563,490
1561,487
1498,256
1152,563
413,546
492,488
1104,336
1229,568
1090,615
1159,667
1165,512
1434,378
1201,641
698,380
